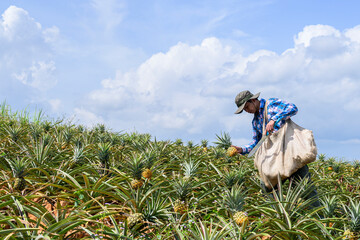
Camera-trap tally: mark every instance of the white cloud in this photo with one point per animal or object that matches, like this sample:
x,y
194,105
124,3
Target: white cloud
x,y
313,31
39,76
17,25
86,117
190,90
353,34
26,55
110,12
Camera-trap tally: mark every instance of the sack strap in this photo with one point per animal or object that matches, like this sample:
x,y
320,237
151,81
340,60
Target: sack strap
x,y
265,118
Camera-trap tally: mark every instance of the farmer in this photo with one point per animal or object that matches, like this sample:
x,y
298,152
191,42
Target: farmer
x,y
278,112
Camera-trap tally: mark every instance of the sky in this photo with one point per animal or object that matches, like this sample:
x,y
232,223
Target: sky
x,y
173,68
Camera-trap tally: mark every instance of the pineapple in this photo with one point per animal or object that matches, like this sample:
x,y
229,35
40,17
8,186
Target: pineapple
x,y
134,219
136,183
18,167
180,206
224,141
183,189
234,201
147,173
104,153
240,217
135,165
20,183
204,144
148,163
349,235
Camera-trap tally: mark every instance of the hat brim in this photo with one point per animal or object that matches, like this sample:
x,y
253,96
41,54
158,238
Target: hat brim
x,y
241,108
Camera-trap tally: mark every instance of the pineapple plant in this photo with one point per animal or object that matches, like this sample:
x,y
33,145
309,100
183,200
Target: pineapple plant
x,y
148,163
224,141
353,215
183,189
204,144
232,178
178,142
234,200
135,166
18,167
104,153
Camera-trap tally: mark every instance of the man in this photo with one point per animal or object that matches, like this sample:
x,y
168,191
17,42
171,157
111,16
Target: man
x,y
278,112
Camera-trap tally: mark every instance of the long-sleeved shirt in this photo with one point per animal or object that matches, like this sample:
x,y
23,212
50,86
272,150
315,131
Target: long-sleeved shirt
x,y
278,110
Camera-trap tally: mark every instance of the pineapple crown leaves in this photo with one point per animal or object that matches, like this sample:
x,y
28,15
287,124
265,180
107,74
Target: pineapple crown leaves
x,y
191,168
104,152
234,199
218,153
18,166
178,142
156,207
68,134
15,131
223,140
353,213
232,178
330,204
149,158
135,165
204,143
183,188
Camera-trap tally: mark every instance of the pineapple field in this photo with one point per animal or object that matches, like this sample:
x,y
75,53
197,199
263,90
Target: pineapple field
x,y
60,180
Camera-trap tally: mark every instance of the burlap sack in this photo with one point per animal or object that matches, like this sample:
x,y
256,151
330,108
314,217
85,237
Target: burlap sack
x,y
284,152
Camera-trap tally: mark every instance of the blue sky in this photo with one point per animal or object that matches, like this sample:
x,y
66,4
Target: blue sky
x,y
173,68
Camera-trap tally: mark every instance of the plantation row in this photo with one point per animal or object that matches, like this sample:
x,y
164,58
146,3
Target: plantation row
x,y
64,181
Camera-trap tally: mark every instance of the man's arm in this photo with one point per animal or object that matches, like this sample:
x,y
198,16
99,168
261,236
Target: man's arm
x,y
280,111
247,148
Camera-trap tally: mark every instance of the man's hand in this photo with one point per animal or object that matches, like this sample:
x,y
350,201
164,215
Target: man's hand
x,y
270,126
239,149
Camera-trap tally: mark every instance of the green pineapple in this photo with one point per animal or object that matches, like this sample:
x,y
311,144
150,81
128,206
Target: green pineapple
x,y
134,219
224,141
19,168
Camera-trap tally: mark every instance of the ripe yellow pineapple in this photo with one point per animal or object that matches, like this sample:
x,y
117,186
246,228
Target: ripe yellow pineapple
x,y
231,151
137,183
180,206
240,217
134,219
147,173
349,235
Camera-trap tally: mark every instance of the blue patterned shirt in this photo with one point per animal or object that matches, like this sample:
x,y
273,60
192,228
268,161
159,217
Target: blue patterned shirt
x,y
278,110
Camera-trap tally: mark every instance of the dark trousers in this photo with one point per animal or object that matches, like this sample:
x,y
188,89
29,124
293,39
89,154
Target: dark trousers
x,y
295,178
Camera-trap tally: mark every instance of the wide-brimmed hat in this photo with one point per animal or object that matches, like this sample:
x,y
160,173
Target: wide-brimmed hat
x,y
242,98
